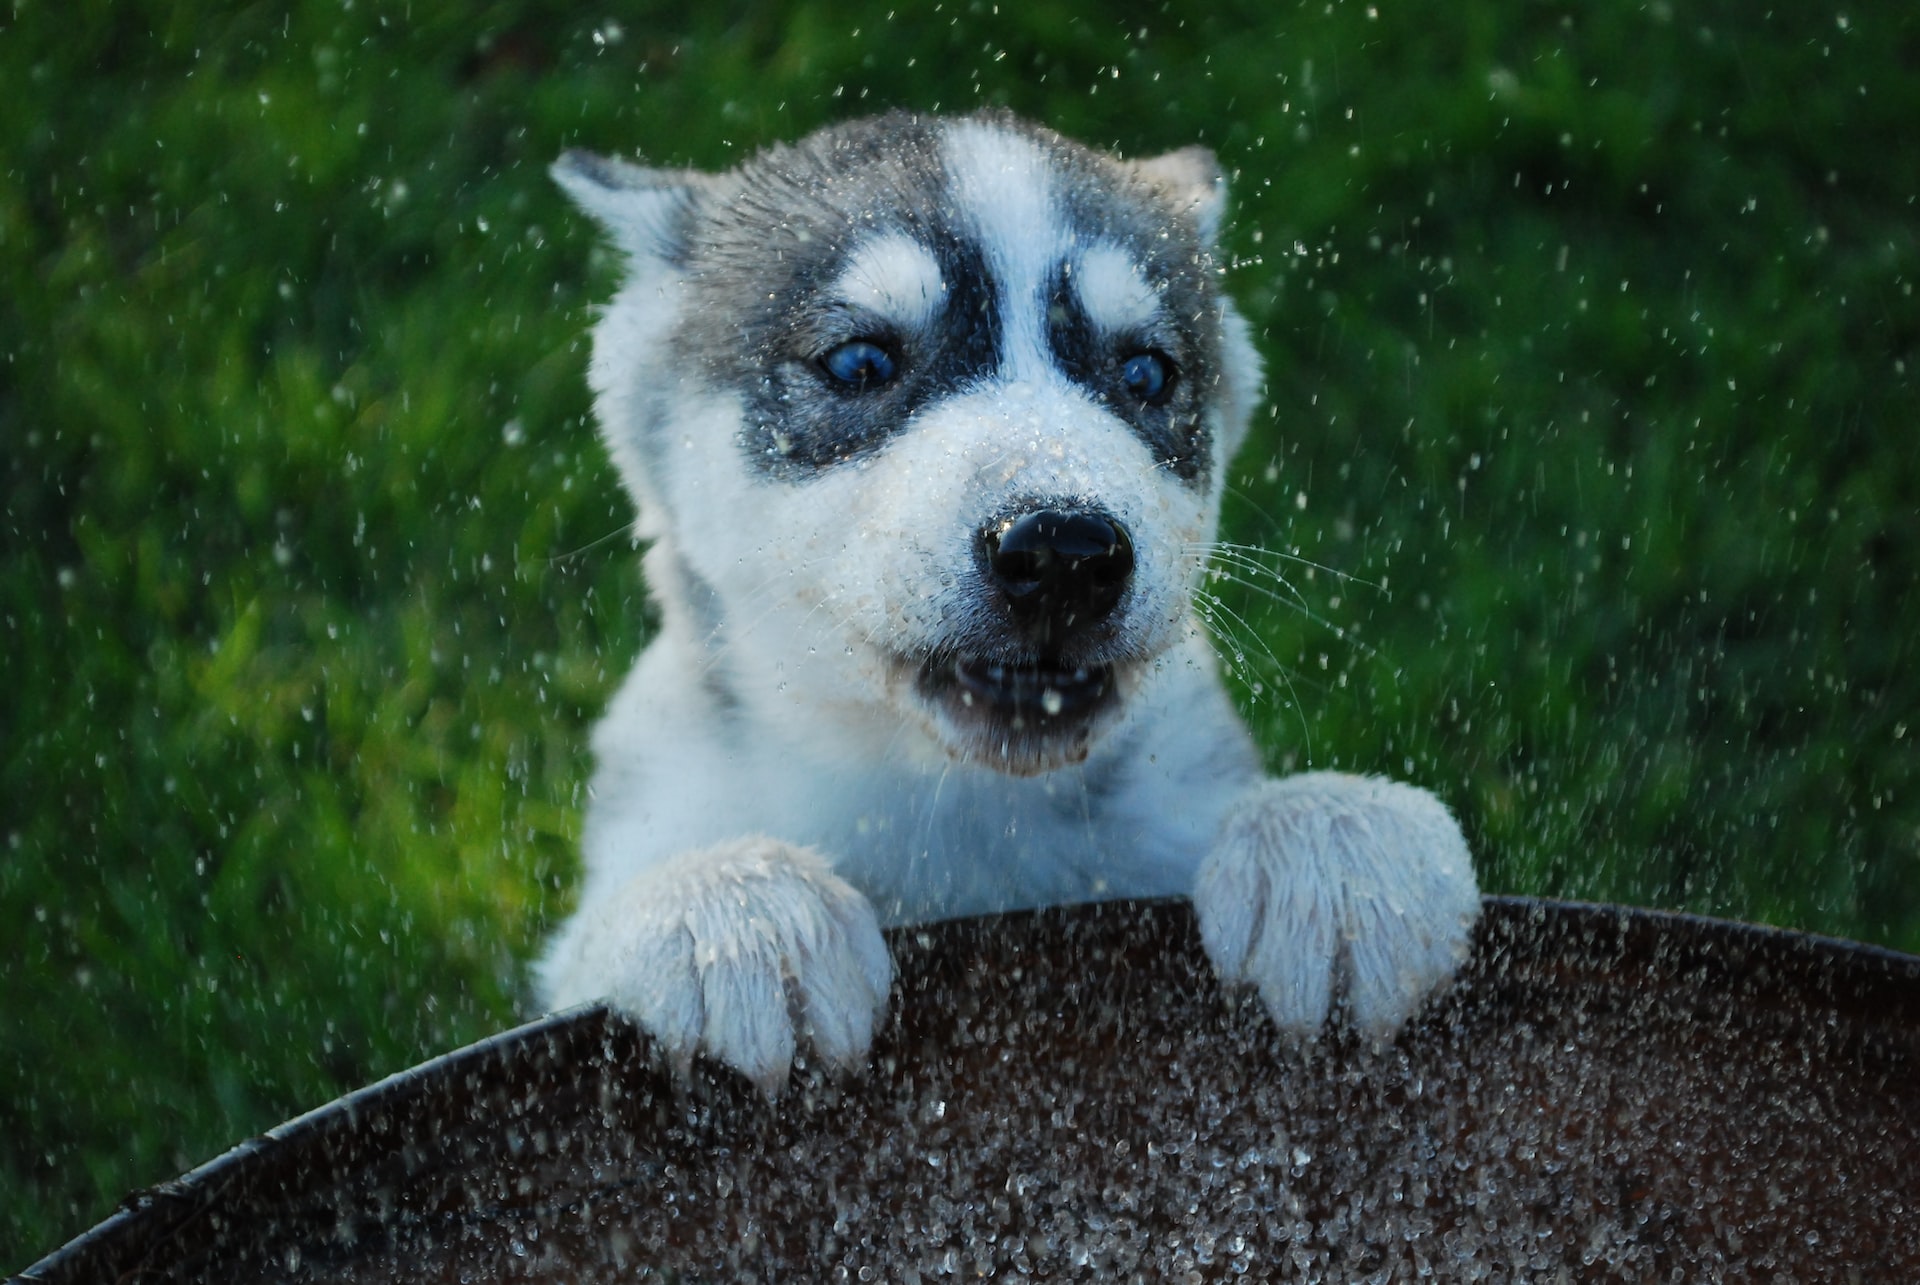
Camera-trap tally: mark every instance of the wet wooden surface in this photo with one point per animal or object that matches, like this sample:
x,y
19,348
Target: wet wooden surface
x,y
1068,1095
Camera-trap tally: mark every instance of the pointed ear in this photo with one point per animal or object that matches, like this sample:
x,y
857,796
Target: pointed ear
x,y
640,207
1192,180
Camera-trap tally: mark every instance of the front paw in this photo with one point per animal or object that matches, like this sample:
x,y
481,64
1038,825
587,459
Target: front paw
x,y
734,951
1327,882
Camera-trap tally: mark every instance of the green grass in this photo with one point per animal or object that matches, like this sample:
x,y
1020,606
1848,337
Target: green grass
x,y
1592,356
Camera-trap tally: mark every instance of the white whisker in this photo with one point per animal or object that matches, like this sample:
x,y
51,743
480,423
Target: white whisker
x,y
1238,564
625,529
1209,603
1256,551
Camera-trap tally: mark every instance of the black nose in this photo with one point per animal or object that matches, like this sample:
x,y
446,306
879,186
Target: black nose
x,y
1061,572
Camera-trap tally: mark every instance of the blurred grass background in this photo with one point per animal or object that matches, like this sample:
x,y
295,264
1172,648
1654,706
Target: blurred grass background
x,y
1591,337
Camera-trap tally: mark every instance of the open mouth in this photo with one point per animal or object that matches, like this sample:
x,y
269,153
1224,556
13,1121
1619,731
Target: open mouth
x,y
1039,696
1039,691
1021,717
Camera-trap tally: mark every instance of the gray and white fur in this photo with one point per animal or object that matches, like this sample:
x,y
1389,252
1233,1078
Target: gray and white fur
x,y
927,422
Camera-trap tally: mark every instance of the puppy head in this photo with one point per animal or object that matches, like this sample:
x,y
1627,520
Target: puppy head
x,y
926,418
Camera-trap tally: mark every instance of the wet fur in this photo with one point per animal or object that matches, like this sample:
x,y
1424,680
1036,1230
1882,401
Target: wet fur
x,y
791,764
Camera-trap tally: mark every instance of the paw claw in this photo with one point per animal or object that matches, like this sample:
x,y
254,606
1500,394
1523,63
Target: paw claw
x,y
736,952
1325,885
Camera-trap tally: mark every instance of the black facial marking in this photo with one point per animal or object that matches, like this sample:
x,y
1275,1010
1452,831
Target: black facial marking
x,y
767,244
1168,423
802,419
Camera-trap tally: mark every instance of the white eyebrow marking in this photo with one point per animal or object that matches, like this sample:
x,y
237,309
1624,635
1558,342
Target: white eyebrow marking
x,y
1113,290
896,277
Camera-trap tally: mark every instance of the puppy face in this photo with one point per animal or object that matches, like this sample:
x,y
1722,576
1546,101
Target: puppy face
x,y
927,419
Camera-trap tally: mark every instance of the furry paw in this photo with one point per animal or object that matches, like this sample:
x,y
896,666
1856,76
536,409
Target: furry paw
x,y
1328,881
735,951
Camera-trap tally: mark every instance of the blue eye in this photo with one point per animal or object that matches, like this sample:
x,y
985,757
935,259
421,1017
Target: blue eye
x,y
859,362
1148,376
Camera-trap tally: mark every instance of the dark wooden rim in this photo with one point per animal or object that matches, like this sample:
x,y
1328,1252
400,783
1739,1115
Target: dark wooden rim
x,y
1582,943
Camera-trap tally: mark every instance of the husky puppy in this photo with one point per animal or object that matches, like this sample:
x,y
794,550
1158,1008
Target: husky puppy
x,y
927,421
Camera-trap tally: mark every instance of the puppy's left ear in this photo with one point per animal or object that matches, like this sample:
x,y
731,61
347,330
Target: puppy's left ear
x,y
1191,178
644,209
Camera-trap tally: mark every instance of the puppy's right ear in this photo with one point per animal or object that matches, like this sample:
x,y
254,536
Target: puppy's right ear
x,y
644,209
1191,178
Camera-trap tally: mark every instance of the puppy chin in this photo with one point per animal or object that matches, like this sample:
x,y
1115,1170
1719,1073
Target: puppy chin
x,y
1020,720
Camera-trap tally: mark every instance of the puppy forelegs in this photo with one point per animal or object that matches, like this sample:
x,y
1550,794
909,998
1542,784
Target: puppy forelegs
x,y
1326,881
734,951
